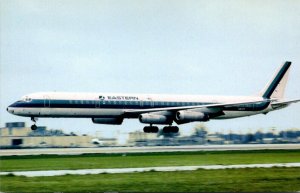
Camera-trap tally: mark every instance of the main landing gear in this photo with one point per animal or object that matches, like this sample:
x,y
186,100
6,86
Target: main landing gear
x,y
170,129
33,127
151,129
167,129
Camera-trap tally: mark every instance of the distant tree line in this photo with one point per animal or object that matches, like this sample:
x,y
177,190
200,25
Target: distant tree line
x,y
200,130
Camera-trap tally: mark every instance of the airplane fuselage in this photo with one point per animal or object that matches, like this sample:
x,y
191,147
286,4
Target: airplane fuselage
x,y
102,105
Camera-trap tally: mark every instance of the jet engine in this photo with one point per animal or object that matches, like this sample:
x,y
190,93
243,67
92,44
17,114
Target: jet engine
x,y
154,119
109,121
190,116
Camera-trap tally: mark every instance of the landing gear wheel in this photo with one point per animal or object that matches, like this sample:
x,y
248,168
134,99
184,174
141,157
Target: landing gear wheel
x,y
170,129
33,127
154,129
175,129
151,129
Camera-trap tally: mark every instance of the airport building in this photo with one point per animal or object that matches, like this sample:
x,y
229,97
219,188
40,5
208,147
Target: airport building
x,y
17,135
140,138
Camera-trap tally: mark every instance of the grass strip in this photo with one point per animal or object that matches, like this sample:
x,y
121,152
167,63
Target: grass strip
x,y
230,180
131,160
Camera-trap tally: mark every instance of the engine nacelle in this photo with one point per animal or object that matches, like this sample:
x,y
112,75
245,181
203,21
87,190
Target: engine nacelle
x,y
190,116
154,119
109,121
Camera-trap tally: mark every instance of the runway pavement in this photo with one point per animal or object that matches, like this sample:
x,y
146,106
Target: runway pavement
x,y
78,151
147,169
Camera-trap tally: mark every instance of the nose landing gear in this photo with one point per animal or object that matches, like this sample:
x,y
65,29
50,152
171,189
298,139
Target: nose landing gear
x,y
33,127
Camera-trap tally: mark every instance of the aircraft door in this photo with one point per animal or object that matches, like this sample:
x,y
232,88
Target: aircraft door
x,y
46,110
151,102
46,101
141,103
98,102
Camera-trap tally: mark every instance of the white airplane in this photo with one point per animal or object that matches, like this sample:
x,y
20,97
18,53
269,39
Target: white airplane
x,y
111,108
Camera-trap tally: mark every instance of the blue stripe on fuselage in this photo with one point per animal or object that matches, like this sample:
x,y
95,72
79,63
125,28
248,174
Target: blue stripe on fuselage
x,y
248,107
113,104
39,103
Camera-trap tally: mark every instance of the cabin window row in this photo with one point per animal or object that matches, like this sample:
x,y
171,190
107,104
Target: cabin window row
x,y
144,103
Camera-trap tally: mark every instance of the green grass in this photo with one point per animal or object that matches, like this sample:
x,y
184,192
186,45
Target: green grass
x,y
230,180
90,161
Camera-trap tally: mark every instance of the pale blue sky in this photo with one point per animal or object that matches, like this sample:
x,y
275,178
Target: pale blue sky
x,y
163,47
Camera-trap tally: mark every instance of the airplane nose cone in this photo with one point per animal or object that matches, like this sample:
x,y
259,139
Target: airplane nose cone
x,y
10,110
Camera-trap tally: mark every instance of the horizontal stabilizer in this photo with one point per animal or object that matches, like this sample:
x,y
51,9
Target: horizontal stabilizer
x,y
286,102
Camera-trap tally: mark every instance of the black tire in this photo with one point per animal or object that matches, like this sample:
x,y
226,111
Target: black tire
x,y
146,129
175,129
170,129
33,127
166,129
149,129
154,129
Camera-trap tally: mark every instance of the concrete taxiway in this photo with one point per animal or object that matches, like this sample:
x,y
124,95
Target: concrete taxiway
x,y
78,151
147,169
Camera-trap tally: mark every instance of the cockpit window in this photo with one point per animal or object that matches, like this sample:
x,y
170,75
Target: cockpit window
x,y
26,99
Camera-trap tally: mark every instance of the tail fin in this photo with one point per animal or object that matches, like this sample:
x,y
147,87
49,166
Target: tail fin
x,y
276,87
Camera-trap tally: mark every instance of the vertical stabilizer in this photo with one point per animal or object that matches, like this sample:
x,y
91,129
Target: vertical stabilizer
x,y
276,87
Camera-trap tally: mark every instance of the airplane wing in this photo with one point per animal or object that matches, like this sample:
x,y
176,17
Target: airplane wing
x,y
216,105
